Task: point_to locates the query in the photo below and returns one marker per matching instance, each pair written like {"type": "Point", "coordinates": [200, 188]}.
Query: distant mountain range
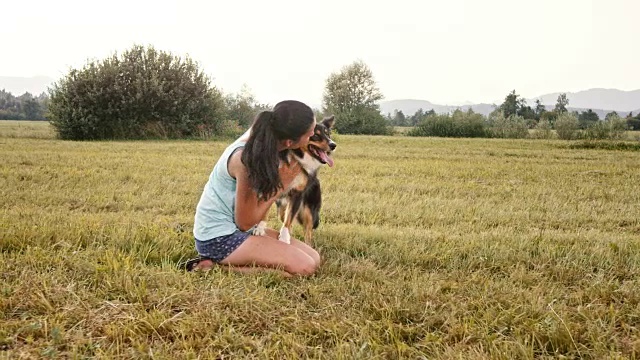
{"type": "Point", "coordinates": [598, 99]}
{"type": "Point", "coordinates": [601, 101]}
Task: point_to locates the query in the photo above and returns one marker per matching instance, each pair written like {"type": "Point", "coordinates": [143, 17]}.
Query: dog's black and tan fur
{"type": "Point", "coordinates": [303, 199]}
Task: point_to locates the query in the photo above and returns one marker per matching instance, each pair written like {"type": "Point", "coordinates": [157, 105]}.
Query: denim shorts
{"type": "Point", "coordinates": [217, 249]}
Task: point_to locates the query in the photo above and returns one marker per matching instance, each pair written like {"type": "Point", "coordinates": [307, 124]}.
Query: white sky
{"type": "Point", "coordinates": [445, 51]}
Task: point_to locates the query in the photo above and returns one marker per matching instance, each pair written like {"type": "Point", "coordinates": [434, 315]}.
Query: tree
{"type": "Point", "coordinates": [550, 117]}
{"type": "Point", "coordinates": [512, 104]}
{"type": "Point", "coordinates": [32, 109]}
{"type": "Point", "coordinates": [419, 116]}
{"type": "Point", "coordinates": [515, 105]}
{"type": "Point", "coordinates": [352, 95]}
{"type": "Point", "coordinates": [241, 108]}
{"type": "Point", "coordinates": [416, 117]}
{"type": "Point", "coordinates": [23, 107]}
{"type": "Point", "coordinates": [527, 113]}
{"type": "Point", "coordinates": [561, 104]}
{"type": "Point", "coordinates": [588, 118]}
{"type": "Point", "coordinates": [399, 119]}
{"type": "Point", "coordinates": [143, 93]}
{"type": "Point", "coordinates": [611, 115]}
{"type": "Point", "coordinates": [539, 109]}
{"type": "Point", "coordinates": [633, 123]}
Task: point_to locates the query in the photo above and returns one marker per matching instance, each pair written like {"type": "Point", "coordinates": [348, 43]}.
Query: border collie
{"type": "Point", "coordinates": [303, 198]}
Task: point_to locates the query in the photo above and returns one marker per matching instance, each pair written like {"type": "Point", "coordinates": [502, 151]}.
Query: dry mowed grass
{"type": "Point", "coordinates": [432, 248]}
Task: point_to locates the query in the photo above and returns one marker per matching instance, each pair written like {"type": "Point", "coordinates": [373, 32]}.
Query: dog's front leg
{"type": "Point", "coordinates": [260, 229]}
{"type": "Point", "coordinates": [292, 207]}
{"type": "Point", "coordinates": [285, 234]}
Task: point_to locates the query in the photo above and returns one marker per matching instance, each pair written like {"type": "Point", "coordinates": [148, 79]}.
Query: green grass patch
{"type": "Point", "coordinates": [26, 129]}
{"type": "Point", "coordinates": [606, 145]}
{"type": "Point", "coordinates": [432, 248]}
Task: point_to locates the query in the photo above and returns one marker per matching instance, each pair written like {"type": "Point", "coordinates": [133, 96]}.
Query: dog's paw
{"type": "Point", "coordinates": [284, 235]}
{"type": "Point", "coordinates": [259, 230]}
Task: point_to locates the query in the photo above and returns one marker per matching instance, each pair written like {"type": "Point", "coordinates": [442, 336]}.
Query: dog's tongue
{"type": "Point", "coordinates": [325, 158]}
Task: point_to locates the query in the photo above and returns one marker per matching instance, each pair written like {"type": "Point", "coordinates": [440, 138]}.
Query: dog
{"type": "Point", "coordinates": [303, 199]}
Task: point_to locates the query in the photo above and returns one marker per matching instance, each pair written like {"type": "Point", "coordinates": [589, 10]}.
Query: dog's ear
{"type": "Point", "coordinates": [329, 121]}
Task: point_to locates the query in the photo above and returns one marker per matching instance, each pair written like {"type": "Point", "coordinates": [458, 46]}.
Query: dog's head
{"type": "Point", "coordinates": [320, 144]}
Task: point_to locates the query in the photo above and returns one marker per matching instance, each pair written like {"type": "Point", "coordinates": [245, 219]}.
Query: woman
{"type": "Point", "coordinates": [244, 183]}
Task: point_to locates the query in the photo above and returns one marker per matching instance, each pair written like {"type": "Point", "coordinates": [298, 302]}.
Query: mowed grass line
{"type": "Point", "coordinates": [434, 248]}
{"type": "Point", "coordinates": [26, 129]}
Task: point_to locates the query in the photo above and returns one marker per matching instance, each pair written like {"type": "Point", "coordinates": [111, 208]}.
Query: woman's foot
{"type": "Point", "coordinates": [199, 264]}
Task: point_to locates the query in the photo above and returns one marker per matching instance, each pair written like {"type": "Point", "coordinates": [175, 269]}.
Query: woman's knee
{"type": "Point", "coordinates": [304, 265]}
{"type": "Point", "coordinates": [313, 253]}
{"type": "Point", "coordinates": [315, 256]}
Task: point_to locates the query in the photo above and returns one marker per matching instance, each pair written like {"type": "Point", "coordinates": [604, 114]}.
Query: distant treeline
{"type": "Point", "coordinates": [585, 118]}
{"type": "Point", "coordinates": [240, 107]}
{"type": "Point", "coordinates": [23, 107]}
{"type": "Point", "coordinates": [516, 106]}
{"type": "Point", "coordinates": [567, 126]}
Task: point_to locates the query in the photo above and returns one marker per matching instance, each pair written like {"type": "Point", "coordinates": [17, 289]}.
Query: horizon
{"type": "Point", "coordinates": [466, 52]}
{"type": "Point", "coordinates": [318, 105]}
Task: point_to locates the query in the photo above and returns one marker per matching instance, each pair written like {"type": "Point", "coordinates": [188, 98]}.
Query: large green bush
{"type": "Point", "coordinates": [508, 127]}
{"type": "Point", "coordinates": [362, 121]}
{"type": "Point", "coordinates": [459, 124]}
{"type": "Point", "coordinates": [597, 131]}
{"type": "Point", "coordinates": [567, 126]}
{"type": "Point", "coordinates": [542, 130]}
{"type": "Point", "coordinates": [143, 93]}
{"type": "Point", "coordinates": [614, 127]}
{"type": "Point", "coordinates": [618, 127]}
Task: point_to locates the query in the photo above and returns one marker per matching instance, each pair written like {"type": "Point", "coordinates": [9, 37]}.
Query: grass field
{"type": "Point", "coordinates": [433, 248]}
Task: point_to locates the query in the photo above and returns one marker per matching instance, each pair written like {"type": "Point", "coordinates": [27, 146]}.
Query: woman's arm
{"type": "Point", "coordinates": [249, 210]}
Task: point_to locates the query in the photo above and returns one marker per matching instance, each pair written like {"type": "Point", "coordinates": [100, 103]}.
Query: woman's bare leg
{"type": "Point", "coordinates": [206, 264]}
{"type": "Point", "coordinates": [268, 252]}
{"type": "Point", "coordinates": [298, 244]}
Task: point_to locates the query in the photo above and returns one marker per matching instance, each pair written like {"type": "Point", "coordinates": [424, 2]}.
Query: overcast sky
{"type": "Point", "coordinates": [443, 51]}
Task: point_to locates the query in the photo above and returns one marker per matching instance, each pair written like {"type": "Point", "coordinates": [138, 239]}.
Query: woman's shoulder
{"type": "Point", "coordinates": [235, 165]}
{"type": "Point", "coordinates": [234, 162]}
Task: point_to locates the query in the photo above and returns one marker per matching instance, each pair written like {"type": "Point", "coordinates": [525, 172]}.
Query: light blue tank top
{"type": "Point", "coordinates": [216, 208]}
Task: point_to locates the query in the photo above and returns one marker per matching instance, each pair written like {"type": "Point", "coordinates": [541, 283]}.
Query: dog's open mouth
{"type": "Point", "coordinates": [321, 155]}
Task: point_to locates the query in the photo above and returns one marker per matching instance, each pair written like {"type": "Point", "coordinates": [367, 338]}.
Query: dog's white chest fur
{"type": "Point", "coordinates": [309, 163]}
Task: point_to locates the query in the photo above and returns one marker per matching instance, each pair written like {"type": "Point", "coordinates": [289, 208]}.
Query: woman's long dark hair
{"type": "Point", "coordinates": [288, 120]}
